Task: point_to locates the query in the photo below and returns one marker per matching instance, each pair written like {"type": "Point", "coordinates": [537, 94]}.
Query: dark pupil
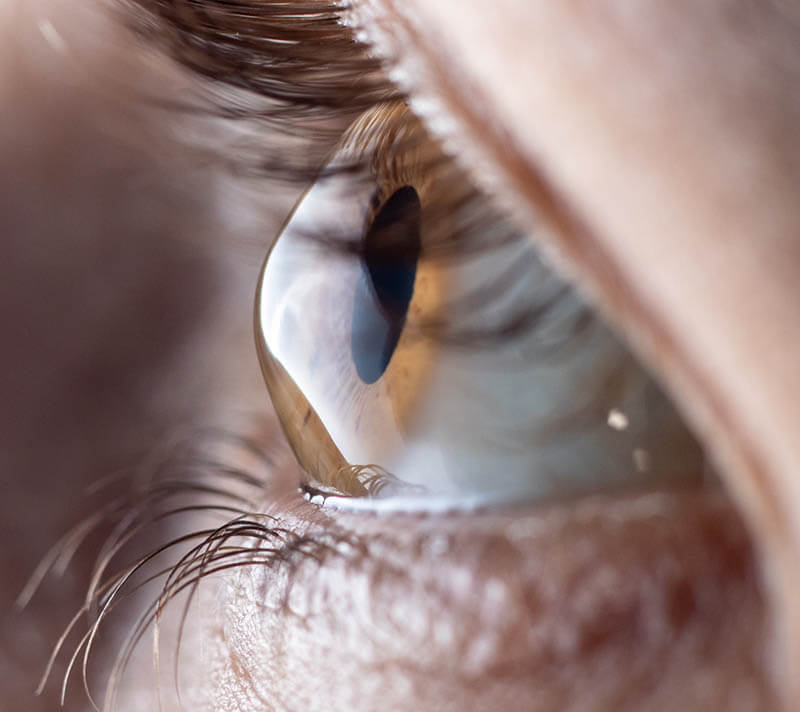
{"type": "Point", "coordinates": [389, 266]}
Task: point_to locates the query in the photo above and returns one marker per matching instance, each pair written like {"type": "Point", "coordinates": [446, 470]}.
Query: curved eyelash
{"type": "Point", "coordinates": [188, 483]}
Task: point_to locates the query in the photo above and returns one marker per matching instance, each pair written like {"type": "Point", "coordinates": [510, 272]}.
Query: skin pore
{"type": "Point", "coordinates": [657, 145]}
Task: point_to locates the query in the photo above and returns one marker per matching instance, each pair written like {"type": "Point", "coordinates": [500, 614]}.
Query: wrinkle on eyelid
{"type": "Point", "coordinates": [620, 603]}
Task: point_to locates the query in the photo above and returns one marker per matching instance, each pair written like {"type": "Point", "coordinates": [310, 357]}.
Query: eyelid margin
{"type": "Point", "coordinates": [448, 90]}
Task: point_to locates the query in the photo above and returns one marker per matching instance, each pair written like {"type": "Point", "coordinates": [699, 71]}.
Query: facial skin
{"type": "Point", "coordinates": [658, 145]}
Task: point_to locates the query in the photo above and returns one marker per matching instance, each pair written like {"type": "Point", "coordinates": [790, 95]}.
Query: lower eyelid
{"type": "Point", "coordinates": [621, 597]}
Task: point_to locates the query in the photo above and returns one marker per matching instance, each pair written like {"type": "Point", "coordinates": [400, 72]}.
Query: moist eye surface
{"type": "Point", "coordinates": [416, 345]}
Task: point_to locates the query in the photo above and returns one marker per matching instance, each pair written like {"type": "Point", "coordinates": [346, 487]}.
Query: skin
{"type": "Point", "coordinates": [644, 137]}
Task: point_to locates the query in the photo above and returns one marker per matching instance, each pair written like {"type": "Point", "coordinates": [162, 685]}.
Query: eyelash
{"type": "Point", "coordinates": [189, 483]}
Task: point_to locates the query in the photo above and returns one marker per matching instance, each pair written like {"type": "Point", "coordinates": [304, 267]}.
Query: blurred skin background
{"type": "Point", "coordinates": [122, 313]}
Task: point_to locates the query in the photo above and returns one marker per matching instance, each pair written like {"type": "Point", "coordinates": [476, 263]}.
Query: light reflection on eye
{"type": "Point", "coordinates": [375, 403]}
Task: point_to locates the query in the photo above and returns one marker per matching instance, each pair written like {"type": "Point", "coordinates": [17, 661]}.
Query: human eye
{"type": "Point", "coordinates": [416, 344]}
{"type": "Point", "coordinates": [614, 597]}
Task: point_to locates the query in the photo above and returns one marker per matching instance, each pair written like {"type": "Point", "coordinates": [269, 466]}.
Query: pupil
{"type": "Point", "coordinates": [391, 251]}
